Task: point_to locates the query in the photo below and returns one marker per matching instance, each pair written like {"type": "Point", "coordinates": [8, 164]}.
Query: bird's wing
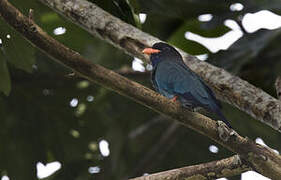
{"type": "Point", "coordinates": [211, 93]}
{"type": "Point", "coordinates": [158, 85]}
{"type": "Point", "coordinates": [176, 78]}
{"type": "Point", "coordinates": [154, 83]}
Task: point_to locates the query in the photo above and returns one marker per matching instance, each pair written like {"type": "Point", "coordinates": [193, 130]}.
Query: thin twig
{"type": "Point", "coordinates": [278, 87]}
{"type": "Point", "coordinates": [144, 127]}
{"type": "Point", "coordinates": [161, 144]}
{"type": "Point", "coordinates": [129, 72]}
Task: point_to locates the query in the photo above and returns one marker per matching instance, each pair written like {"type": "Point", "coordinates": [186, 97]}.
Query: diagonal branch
{"type": "Point", "coordinates": [216, 169]}
{"type": "Point", "coordinates": [229, 88]}
{"type": "Point", "coordinates": [259, 158]}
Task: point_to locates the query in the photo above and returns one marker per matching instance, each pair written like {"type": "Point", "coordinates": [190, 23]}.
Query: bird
{"type": "Point", "coordinates": [172, 78]}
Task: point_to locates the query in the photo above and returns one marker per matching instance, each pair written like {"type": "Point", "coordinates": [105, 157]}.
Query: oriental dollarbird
{"type": "Point", "coordinates": [173, 79]}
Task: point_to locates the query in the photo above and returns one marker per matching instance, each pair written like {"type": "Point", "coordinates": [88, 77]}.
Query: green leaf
{"type": "Point", "coordinates": [5, 81]}
{"type": "Point", "coordinates": [121, 9]}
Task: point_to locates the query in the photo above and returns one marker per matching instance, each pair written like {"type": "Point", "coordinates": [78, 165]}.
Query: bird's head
{"type": "Point", "coordinates": [162, 52]}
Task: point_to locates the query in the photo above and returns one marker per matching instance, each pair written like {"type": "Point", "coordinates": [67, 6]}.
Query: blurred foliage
{"type": "Point", "coordinates": [244, 50]}
{"type": "Point", "coordinates": [5, 85]}
{"type": "Point", "coordinates": [121, 9]}
{"type": "Point", "coordinates": [39, 123]}
{"type": "Point", "coordinates": [195, 26]}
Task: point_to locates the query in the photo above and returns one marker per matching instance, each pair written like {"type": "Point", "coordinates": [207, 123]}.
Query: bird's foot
{"type": "Point", "coordinates": [190, 107]}
{"type": "Point", "coordinates": [224, 131]}
{"type": "Point", "coordinates": [196, 109]}
{"type": "Point", "coordinates": [174, 99]}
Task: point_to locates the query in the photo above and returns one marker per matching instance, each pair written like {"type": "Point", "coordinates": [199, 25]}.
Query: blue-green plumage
{"type": "Point", "coordinates": [171, 77]}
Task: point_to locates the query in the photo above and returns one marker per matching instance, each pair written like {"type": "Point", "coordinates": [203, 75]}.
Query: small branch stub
{"type": "Point", "coordinates": [278, 87]}
{"type": "Point", "coordinates": [30, 14]}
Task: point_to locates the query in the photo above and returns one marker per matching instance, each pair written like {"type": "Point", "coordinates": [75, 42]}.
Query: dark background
{"type": "Point", "coordinates": [38, 124]}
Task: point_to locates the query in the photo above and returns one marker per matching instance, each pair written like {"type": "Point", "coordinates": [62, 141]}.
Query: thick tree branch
{"type": "Point", "coordinates": [216, 169]}
{"type": "Point", "coordinates": [229, 88]}
{"type": "Point", "coordinates": [259, 158]}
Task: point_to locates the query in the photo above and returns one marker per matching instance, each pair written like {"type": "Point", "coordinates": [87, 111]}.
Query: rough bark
{"type": "Point", "coordinates": [228, 88]}
{"type": "Point", "coordinates": [259, 158]}
{"type": "Point", "coordinates": [216, 169]}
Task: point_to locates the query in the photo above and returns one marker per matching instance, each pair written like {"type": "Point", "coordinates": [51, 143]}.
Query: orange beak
{"type": "Point", "coordinates": [150, 51]}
